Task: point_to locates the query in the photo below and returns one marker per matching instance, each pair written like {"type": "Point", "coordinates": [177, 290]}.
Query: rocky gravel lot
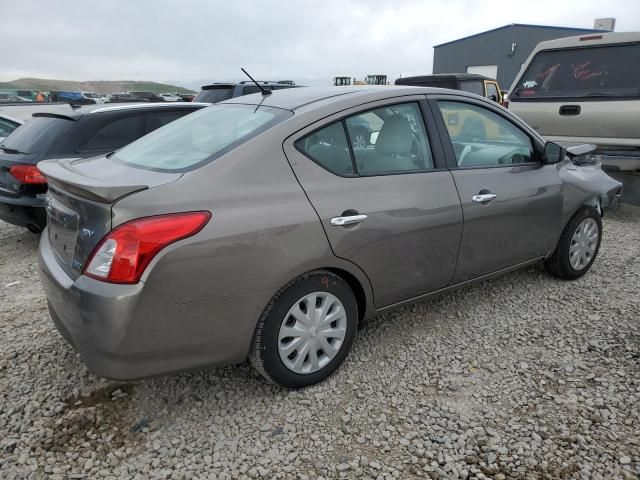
{"type": "Point", "coordinates": [519, 377]}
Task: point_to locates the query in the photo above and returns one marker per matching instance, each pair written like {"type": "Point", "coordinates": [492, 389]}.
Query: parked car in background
{"type": "Point", "coordinates": [7, 125]}
{"type": "Point", "coordinates": [95, 97]}
{"type": "Point", "coordinates": [187, 97]}
{"type": "Point", "coordinates": [10, 98]}
{"type": "Point", "coordinates": [75, 98]}
{"type": "Point", "coordinates": [170, 97]}
{"type": "Point", "coordinates": [255, 229]}
{"type": "Point", "coordinates": [585, 89]}
{"type": "Point", "coordinates": [217, 92]}
{"type": "Point", "coordinates": [148, 96]}
{"type": "Point", "coordinates": [68, 133]}
{"type": "Point", "coordinates": [124, 98]}
{"type": "Point", "coordinates": [467, 82]}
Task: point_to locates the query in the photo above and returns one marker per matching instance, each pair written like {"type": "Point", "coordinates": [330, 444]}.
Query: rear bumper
{"type": "Point", "coordinates": [23, 211]}
{"type": "Point", "coordinates": [127, 332]}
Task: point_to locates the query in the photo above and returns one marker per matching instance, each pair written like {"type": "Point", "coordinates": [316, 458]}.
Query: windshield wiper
{"type": "Point", "coordinates": [13, 151]}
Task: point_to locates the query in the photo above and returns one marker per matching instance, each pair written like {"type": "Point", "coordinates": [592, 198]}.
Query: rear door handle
{"type": "Point", "coordinates": [348, 220]}
{"type": "Point", "coordinates": [483, 198]}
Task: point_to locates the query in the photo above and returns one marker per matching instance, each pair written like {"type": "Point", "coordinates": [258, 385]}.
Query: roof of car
{"type": "Point", "coordinates": [10, 118]}
{"type": "Point", "coordinates": [441, 76]}
{"type": "Point", "coordinates": [75, 113]}
{"type": "Point", "coordinates": [245, 82]}
{"type": "Point", "coordinates": [297, 98]}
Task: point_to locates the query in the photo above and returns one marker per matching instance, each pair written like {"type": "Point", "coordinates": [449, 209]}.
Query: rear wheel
{"type": "Point", "coordinates": [578, 245]}
{"type": "Point", "coordinates": [306, 331]}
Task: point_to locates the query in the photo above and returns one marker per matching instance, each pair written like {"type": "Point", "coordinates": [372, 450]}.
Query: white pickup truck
{"type": "Point", "coordinates": [585, 89]}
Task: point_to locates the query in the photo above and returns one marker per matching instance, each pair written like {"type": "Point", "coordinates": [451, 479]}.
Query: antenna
{"type": "Point", "coordinates": [265, 92]}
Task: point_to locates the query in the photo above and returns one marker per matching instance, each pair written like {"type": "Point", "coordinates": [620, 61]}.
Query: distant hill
{"type": "Point", "coordinates": [99, 86]}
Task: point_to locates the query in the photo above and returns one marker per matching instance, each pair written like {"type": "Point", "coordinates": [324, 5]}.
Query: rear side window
{"type": "Point", "coordinates": [115, 134]}
{"type": "Point", "coordinates": [7, 126]}
{"type": "Point", "coordinates": [612, 70]}
{"type": "Point", "coordinates": [214, 95]}
{"type": "Point", "coordinates": [472, 86]}
{"type": "Point", "coordinates": [200, 138]}
{"type": "Point", "coordinates": [328, 148]}
{"type": "Point", "coordinates": [390, 139]}
{"type": "Point", "coordinates": [39, 135]}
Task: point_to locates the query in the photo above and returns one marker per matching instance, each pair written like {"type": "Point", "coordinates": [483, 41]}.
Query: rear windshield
{"type": "Point", "coordinates": [214, 95]}
{"type": "Point", "coordinates": [610, 70]}
{"type": "Point", "coordinates": [38, 135]}
{"type": "Point", "coordinates": [200, 137]}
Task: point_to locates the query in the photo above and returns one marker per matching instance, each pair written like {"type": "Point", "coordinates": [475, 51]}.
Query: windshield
{"type": "Point", "coordinates": [38, 135]}
{"type": "Point", "coordinates": [200, 137]}
{"type": "Point", "coordinates": [214, 95]}
{"type": "Point", "coordinates": [610, 70]}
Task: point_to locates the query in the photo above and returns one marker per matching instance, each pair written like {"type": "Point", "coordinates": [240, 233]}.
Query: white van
{"type": "Point", "coordinates": [585, 89]}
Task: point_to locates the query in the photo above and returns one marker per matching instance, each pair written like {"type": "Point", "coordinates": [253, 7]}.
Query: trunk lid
{"type": "Point", "coordinates": [81, 195]}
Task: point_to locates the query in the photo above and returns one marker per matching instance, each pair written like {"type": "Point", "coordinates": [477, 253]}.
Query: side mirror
{"type": "Point", "coordinates": [373, 138]}
{"type": "Point", "coordinates": [553, 153]}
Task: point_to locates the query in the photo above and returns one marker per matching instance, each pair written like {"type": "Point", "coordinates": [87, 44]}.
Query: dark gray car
{"type": "Point", "coordinates": [254, 227]}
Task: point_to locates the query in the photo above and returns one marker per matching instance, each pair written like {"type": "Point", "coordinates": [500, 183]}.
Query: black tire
{"type": "Point", "coordinates": [558, 265]}
{"type": "Point", "coordinates": [264, 354]}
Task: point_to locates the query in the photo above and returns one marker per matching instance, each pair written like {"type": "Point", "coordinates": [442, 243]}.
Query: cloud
{"type": "Point", "coordinates": [310, 41]}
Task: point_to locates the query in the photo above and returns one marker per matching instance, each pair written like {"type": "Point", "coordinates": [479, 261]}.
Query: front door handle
{"type": "Point", "coordinates": [348, 220]}
{"type": "Point", "coordinates": [483, 198]}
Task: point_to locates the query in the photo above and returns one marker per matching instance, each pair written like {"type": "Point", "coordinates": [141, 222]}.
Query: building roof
{"type": "Point", "coordinates": [520, 25]}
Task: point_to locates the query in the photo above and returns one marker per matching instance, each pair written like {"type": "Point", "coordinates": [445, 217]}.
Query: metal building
{"type": "Point", "coordinates": [496, 53]}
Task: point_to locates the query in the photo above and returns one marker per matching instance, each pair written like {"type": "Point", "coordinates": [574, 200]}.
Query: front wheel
{"type": "Point", "coordinates": [578, 245]}
{"type": "Point", "coordinates": [306, 331]}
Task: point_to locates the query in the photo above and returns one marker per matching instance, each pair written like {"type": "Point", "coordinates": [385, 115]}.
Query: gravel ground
{"type": "Point", "coordinates": [519, 377]}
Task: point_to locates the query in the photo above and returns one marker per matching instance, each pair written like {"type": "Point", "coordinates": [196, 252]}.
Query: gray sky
{"type": "Point", "coordinates": [193, 41]}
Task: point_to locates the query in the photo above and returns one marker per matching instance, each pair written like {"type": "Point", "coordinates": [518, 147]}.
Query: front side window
{"type": "Point", "coordinates": [395, 140]}
{"type": "Point", "coordinates": [200, 137]}
{"type": "Point", "coordinates": [114, 135]}
{"type": "Point", "coordinates": [492, 90]}
{"type": "Point", "coordinates": [390, 139]}
{"type": "Point", "coordinates": [482, 138]}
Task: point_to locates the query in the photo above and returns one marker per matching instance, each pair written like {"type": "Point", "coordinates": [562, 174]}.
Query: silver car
{"type": "Point", "coordinates": [255, 228]}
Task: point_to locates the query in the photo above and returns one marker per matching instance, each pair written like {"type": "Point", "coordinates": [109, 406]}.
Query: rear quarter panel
{"type": "Point", "coordinates": [262, 234]}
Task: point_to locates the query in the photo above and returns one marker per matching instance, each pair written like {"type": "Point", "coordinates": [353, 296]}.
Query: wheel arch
{"type": "Point", "coordinates": [356, 287]}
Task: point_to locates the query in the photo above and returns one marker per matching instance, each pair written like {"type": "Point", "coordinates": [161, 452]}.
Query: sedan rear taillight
{"type": "Point", "coordinates": [28, 174]}
{"type": "Point", "coordinates": [124, 253]}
